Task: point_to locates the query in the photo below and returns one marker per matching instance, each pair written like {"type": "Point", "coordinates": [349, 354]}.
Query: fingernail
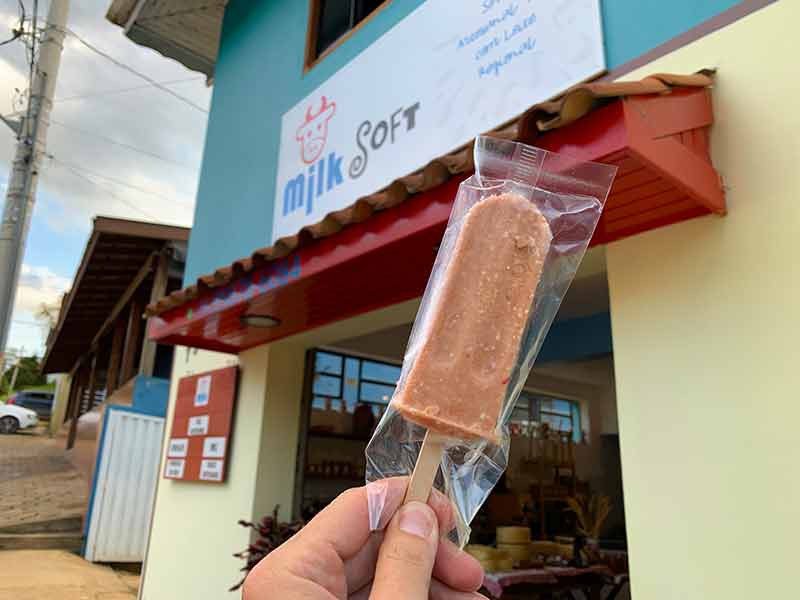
{"type": "Point", "coordinates": [417, 519]}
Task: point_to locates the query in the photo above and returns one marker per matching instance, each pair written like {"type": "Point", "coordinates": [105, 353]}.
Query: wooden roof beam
{"type": "Point", "coordinates": [143, 273]}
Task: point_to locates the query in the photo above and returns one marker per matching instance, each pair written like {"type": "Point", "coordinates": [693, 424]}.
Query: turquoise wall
{"type": "Point", "coordinates": [259, 76]}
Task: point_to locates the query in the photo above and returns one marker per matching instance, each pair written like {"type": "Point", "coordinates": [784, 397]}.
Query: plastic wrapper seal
{"type": "Point", "coordinates": [479, 328]}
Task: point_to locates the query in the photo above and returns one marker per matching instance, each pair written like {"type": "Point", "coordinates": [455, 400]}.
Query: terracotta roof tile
{"type": "Point", "coordinates": [545, 116]}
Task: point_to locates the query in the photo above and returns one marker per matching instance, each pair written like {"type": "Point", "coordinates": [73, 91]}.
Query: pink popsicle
{"type": "Point", "coordinates": [458, 382]}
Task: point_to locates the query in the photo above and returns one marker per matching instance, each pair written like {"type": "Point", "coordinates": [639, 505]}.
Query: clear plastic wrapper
{"type": "Point", "coordinates": [569, 194]}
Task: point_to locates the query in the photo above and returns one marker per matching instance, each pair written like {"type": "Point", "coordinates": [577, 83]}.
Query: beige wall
{"type": "Point", "coordinates": [706, 325]}
{"type": "Point", "coordinates": [280, 423]}
{"type": "Point", "coordinates": [194, 530]}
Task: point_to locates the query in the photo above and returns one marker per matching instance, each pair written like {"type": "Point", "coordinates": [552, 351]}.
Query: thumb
{"type": "Point", "coordinates": [407, 554]}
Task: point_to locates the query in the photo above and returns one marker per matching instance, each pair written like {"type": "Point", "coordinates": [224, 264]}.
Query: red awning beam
{"type": "Point", "coordinates": [659, 142]}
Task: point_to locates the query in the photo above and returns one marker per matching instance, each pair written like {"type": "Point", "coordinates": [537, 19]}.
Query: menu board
{"type": "Point", "coordinates": [198, 445]}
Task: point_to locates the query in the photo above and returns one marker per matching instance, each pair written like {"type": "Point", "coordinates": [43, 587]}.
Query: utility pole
{"type": "Point", "coordinates": [31, 140]}
{"type": "Point", "coordinates": [16, 370]}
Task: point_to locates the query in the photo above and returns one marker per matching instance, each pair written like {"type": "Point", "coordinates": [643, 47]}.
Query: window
{"type": "Point", "coordinates": [345, 381]}
{"type": "Point", "coordinates": [331, 21]}
{"type": "Point", "coordinates": [559, 414]}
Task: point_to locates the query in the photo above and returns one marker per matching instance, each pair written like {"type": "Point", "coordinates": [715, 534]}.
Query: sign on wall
{"type": "Point", "coordinates": [197, 449]}
{"type": "Point", "coordinates": [434, 81]}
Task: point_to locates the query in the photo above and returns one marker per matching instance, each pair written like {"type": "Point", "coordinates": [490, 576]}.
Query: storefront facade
{"type": "Point", "coordinates": [702, 311]}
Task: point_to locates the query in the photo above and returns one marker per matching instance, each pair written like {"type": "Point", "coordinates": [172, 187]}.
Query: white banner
{"type": "Point", "coordinates": [447, 72]}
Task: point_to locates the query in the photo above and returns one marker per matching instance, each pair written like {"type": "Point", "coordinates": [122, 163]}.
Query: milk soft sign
{"type": "Point", "coordinates": [447, 72]}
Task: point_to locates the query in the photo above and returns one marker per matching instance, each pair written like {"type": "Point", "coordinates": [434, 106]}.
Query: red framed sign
{"type": "Point", "coordinates": [199, 443]}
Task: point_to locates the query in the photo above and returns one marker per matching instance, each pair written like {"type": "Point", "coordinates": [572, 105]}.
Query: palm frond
{"type": "Point", "coordinates": [590, 513]}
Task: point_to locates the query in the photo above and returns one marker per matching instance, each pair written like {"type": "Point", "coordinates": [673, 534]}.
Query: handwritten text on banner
{"type": "Point", "coordinates": [431, 83]}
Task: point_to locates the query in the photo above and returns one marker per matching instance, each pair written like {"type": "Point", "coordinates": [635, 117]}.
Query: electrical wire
{"type": "Point", "coordinates": [123, 145]}
{"type": "Point", "coordinates": [130, 69]}
{"type": "Point", "coordinates": [16, 33]}
{"type": "Point", "coordinates": [125, 184]}
{"type": "Point", "coordinates": [34, 39]}
{"type": "Point", "coordinates": [125, 90]}
{"type": "Point", "coordinates": [30, 323]}
{"type": "Point", "coordinates": [130, 205]}
{"type": "Point", "coordinates": [119, 182]}
{"type": "Point", "coordinates": [31, 63]}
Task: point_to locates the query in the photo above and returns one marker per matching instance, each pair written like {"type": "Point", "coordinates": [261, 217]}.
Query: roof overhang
{"type": "Point", "coordinates": [185, 30]}
{"type": "Point", "coordinates": [660, 142]}
{"type": "Point", "coordinates": [114, 255]}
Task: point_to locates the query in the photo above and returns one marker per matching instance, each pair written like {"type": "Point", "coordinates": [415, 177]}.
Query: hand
{"type": "Point", "coordinates": [336, 557]}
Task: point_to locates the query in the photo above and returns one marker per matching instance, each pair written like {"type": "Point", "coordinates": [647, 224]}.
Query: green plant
{"type": "Point", "coordinates": [28, 374]}
{"type": "Point", "coordinates": [590, 513]}
{"type": "Point", "coordinates": [270, 533]}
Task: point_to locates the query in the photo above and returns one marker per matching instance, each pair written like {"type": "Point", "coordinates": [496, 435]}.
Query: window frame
{"type": "Point", "coordinates": [304, 430]}
{"type": "Point", "coordinates": [535, 410]}
{"type": "Point", "coordinates": [310, 60]}
{"type": "Point", "coordinates": [344, 356]}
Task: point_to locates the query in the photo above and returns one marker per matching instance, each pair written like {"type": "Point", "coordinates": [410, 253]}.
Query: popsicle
{"type": "Point", "coordinates": [458, 381]}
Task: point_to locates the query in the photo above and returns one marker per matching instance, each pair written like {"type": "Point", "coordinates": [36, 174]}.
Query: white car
{"type": "Point", "coordinates": [15, 417]}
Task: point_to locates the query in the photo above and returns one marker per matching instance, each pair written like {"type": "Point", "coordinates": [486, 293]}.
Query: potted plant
{"type": "Point", "coordinates": [590, 514]}
{"type": "Point", "coordinates": [270, 533]}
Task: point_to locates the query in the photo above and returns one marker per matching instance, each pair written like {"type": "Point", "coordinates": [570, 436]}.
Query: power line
{"type": "Point", "coordinates": [125, 90]}
{"type": "Point", "coordinates": [119, 182]}
{"type": "Point", "coordinates": [30, 323]}
{"type": "Point", "coordinates": [122, 145]}
{"type": "Point", "coordinates": [130, 69]}
{"type": "Point", "coordinates": [34, 39]}
{"type": "Point", "coordinates": [16, 33]}
{"type": "Point", "coordinates": [108, 191]}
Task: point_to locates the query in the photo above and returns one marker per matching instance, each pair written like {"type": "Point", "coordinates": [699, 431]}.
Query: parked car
{"type": "Point", "coordinates": [39, 402]}
{"type": "Point", "coordinates": [14, 417]}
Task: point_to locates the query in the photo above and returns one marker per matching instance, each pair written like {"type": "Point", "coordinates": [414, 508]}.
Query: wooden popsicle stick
{"type": "Point", "coordinates": [430, 456]}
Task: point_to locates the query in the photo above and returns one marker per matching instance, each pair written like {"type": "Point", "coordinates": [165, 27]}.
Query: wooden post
{"type": "Point", "coordinates": [92, 385]}
{"type": "Point", "coordinates": [74, 384]}
{"type": "Point", "coordinates": [148, 361]}
{"type": "Point", "coordinates": [131, 340]}
{"type": "Point", "coordinates": [114, 361]}
{"type": "Point", "coordinates": [74, 408]}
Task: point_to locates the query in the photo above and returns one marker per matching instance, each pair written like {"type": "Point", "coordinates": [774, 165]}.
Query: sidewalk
{"type": "Point", "coordinates": [58, 575]}
{"type": "Point", "coordinates": [40, 490]}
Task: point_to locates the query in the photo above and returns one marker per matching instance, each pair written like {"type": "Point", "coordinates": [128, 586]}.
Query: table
{"type": "Point", "coordinates": [588, 583]}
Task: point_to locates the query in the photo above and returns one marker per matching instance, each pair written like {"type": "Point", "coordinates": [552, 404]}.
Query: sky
{"type": "Point", "coordinates": [94, 112]}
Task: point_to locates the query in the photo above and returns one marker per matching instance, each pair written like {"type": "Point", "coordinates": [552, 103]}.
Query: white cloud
{"type": "Point", "coordinates": [39, 285]}
{"type": "Point", "coordinates": [147, 118]}
{"type": "Point", "coordinates": [27, 335]}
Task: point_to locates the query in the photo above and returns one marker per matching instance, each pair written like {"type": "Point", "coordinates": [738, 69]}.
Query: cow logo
{"type": "Point", "coordinates": [313, 133]}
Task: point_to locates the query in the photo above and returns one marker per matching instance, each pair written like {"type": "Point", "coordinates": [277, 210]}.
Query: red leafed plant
{"type": "Point", "coordinates": [271, 533]}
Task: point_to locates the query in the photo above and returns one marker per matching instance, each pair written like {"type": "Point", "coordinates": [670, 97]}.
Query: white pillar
{"type": "Point", "coordinates": [283, 400]}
